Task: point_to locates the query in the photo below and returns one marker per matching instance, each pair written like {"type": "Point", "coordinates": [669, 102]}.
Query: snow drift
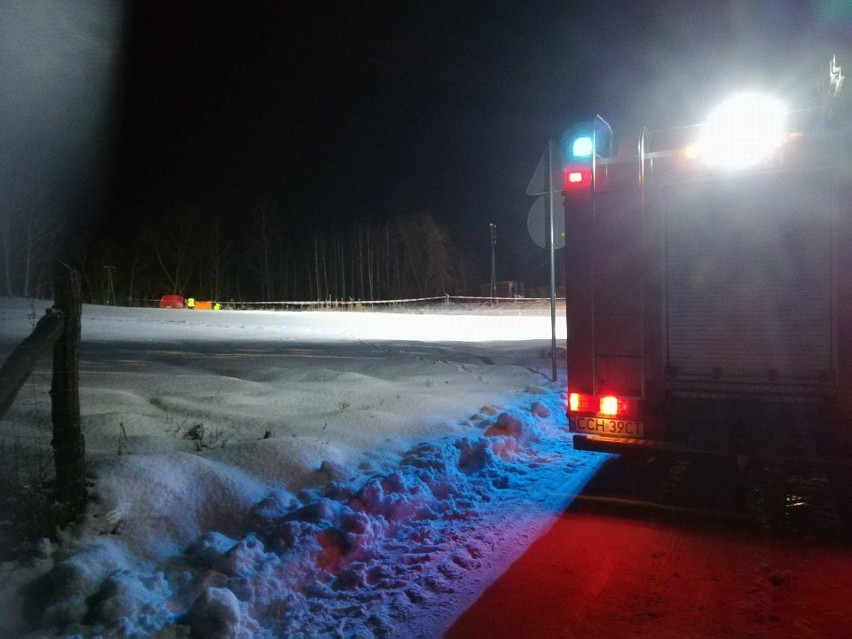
{"type": "Point", "coordinates": [344, 487]}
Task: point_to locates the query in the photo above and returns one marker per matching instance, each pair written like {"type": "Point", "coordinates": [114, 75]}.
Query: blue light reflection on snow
{"type": "Point", "coordinates": [399, 551]}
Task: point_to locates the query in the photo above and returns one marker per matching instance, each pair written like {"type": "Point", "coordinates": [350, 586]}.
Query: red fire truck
{"type": "Point", "coordinates": [709, 280]}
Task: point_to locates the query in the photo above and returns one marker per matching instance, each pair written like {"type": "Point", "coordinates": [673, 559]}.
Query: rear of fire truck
{"type": "Point", "coordinates": [709, 280]}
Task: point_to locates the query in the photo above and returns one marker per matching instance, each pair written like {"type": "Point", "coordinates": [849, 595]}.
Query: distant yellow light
{"type": "Point", "coordinates": [692, 151]}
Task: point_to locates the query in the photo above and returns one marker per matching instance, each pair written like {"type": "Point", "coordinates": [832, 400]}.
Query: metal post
{"type": "Point", "coordinates": [551, 241]}
{"type": "Point", "coordinates": [493, 230]}
{"type": "Point", "coordinates": [110, 286]}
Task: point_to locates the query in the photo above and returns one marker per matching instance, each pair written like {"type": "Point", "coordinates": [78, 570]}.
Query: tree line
{"type": "Point", "coordinates": [259, 259]}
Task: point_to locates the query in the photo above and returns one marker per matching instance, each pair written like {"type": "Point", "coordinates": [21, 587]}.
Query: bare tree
{"type": "Point", "coordinates": [370, 253]}
{"type": "Point", "coordinates": [175, 245]}
{"type": "Point", "coordinates": [428, 254]}
{"type": "Point", "coordinates": [6, 248]}
{"type": "Point", "coordinates": [263, 241]}
{"type": "Point", "coordinates": [137, 264]}
{"type": "Point", "coordinates": [28, 242]}
{"type": "Point", "coordinates": [214, 263]}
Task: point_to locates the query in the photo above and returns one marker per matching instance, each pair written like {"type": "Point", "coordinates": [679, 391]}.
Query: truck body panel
{"type": "Point", "coordinates": [692, 290]}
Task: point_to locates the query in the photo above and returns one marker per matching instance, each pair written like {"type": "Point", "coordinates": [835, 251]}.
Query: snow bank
{"type": "Point", "coordinates": [360, 556]}
{"type": "Point", "coordinates": [364, 501]}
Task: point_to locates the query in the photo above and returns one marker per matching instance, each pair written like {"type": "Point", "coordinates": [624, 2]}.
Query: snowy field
{"type": "Point", "coordinates": [296, 474]}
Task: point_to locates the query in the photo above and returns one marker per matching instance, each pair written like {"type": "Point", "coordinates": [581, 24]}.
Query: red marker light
{"type": "Point", "coordinates": [578, 178]}
{"type": "Point", "coordinates": [577, 402]}
{"type": "Point", "coordinates": [573, 402]}
{"type": "Point", "coordinates": [613, 406]}
{"type": "Point", "coordinates": [609, 405]}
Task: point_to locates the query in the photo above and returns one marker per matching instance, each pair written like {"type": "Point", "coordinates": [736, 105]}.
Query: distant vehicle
{"type": "Point", "coordinates": [172, 301]}
{"type": "Point", "coordinates": [709, 280]}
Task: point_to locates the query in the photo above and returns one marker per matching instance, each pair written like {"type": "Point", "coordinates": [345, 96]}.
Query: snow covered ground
{"type": "Point", "coordinates": [287, 474]}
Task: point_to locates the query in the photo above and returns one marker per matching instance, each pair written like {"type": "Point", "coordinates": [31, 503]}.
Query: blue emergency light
{"type": "Point", "coordinates": [583, 147]}
{"type": "Point", "coordinates": [585, 141]}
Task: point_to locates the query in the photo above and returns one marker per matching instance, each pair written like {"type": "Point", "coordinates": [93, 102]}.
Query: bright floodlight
{"type": "Point", "coordinates": [582, 147]}
{"type": "Point", "coordinates": [742, 131]}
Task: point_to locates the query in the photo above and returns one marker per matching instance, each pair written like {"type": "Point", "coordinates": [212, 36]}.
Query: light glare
{"type": "Point", "coordinates": [582, 147]}
{"type": "Point", "coordinates": [692, 151]}
{"type": "Point", "coordinates": [742, 131]}
{"type": "Point", "coordinates": [609, 405]}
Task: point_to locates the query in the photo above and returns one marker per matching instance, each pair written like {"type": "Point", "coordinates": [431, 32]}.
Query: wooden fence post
{"type": "Point", "coordinates": [18, 367]}
{"type": "Point", "coordinates": [69, 447]}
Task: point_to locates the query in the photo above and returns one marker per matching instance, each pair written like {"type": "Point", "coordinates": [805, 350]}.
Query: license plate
{"type": "Point", "coordinates": [609, 427]}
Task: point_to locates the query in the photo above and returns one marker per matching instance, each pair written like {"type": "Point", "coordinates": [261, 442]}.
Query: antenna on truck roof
{"type": "Point", "coordinates": [835, 77]}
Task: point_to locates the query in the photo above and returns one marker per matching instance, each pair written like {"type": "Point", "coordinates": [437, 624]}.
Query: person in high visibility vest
{"type": "Point", "coordinates": [217, 306]}
{"type": "Point", "coordinates": [190, 302]}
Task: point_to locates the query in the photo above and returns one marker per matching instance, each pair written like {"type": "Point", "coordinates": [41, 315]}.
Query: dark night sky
{"type": "Point", "coordinates": [364, 110]}
{"type": "Point", "coordinates": [343, 110]}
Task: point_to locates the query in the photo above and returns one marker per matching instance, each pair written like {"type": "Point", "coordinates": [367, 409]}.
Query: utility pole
{"type": "Point", "coordinates": [493, 229]}
{"type": "Point", "coordinates": [110, 285]}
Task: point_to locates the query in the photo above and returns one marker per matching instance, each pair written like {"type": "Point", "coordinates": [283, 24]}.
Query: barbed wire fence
{"type": "Point", "coordinates": [26, 457]}
{"type": "Point", "coordinates": [44, 423]}
{"type": "Point", "coordinates": [332, 304]}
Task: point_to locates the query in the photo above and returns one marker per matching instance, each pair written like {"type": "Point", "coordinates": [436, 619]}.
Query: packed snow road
{"type": "Point", "coordinates": [268, 474]}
